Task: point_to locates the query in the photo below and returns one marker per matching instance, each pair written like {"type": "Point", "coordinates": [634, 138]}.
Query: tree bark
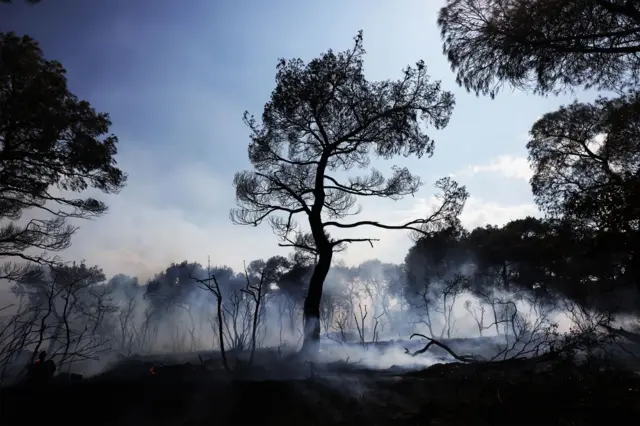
{"type": "Point", "coordinates": [505, 278]}
{"type": "Point", "coordinates": [312, 302]}
{"type": "Point", "coordinates": [324, 252]}
{"type": "Point", "coordinates": [223, 351]}
{"type": "Point", "coordinates": [256, 316]}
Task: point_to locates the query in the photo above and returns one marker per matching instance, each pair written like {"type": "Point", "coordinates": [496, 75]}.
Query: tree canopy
{"type": "Point", "coordinates": [544, 45]}
{"type": "Point", "coordinates": [586, 160]}
{"type": "Point", "coordinates": [584, 155]}
{"type": "Point", "coordinates": [51, 145]}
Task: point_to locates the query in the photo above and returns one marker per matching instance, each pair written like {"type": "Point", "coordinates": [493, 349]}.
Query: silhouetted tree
{"type": "Point", "coordinates": [585, 156]}
{"type": "Point", "coordinates": [521, 253]}
{"type": "Point", "coordinates": [436, 256]}
{"type": "Point", "coordinates": [73, 305]}
{"type": "Point", "coordinates": [174, 285]}
{"type": "Point", "coordinates": [325, 118]}
{"type": "Point", "coordinates": [545, 45]}
{"type": "Point", "coordinates": [381, 283]}
{"type": "Point", "coordinates": [586, 160]}
{"type": "Point", "coordinates": [51, 145]}
{"type": "Point", "coordinates": [270, 271]}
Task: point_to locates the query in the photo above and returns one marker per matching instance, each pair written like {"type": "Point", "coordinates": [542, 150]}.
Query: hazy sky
{"type": "Point", "coordinates": [176, 77]}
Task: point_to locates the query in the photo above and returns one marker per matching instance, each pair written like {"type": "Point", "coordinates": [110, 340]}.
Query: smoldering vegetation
{"type": "Point", "coordinates": [532, 322]}
{"type": "Point", "coordinates": [375, 316]}
{"type": "Point", "coordinates": [486, 327]}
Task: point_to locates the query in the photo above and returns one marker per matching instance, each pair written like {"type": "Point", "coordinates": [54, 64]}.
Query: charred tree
{"type": "Point", "coordinates": [323, 120]}
{"type": "Point", "coordinates": [211, 284]}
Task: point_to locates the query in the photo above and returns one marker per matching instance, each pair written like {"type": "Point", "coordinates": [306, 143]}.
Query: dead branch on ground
{"type": "Point", "coordinates": [463, 358]}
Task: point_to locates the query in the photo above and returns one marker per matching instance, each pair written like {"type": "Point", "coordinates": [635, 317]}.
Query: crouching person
{"type": "Point", "coordinates": [41, 372]}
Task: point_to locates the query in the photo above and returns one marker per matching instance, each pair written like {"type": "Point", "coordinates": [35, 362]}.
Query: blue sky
{"type": "Point", "coordinates": [176, 78]}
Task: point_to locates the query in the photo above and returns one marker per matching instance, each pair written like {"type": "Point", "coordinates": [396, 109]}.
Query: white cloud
{"type": "Point", "coordinates": [480, 212]}
{"type": "Point", "coordinates": [477, 211]}
{"type": "Point", "coordinates": [598, 141]}
{"type": "Point", "coordinates": [512, 167]}
{"type": "Point", "coordinates": [394, 244]}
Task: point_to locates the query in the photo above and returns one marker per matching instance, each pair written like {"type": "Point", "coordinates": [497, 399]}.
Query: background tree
{"type": "Point", "coordinates": [586, 160]}
{"type": "Point", "coordinates": [585, 156]}
{"type": "Point", "coordinates": [324, 119]}
{"type": "Point", "coordinates": [72, 306]}
{"type": "Point", "coordinates": [51, 145]}
{"type": "Point", "coordinates": [270, 271]}
{"type": "Point", "coordinates": [544, 45]}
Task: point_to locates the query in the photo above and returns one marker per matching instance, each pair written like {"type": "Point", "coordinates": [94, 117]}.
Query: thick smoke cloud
{"type": "Point", "coordinates": [445, 290]}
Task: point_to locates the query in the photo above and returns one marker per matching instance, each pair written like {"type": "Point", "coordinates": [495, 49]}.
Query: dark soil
{"type": "Point", "coordinates": [447, 394]}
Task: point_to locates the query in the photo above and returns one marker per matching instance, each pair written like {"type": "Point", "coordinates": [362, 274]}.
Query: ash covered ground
{"type": "Point", "coordinates": [280, 388]}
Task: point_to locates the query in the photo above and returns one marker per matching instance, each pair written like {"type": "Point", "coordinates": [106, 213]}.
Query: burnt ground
{"type": "Point", "coordinates": [524, 392]}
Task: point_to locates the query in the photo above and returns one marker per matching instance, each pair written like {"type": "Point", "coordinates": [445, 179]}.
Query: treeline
{"type": "Point", "coordinates": [511, 281]}
{"type": "Point", "coordinates": [549, 257]}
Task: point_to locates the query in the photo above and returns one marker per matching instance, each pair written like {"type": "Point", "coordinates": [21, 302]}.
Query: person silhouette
{"type": "Point", "coordinates": [42, 370]}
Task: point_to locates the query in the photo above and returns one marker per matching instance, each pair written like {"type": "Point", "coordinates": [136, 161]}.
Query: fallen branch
{"type": "Point", "coordinates": [632, 337]}
{"type": "Point", "coordinates": [443, 346]}
{"type": "Point", "coordinates": [552, 355]}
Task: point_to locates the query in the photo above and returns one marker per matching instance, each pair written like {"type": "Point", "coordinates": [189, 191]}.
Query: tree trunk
{"type": "Point", "coordinates": [324, 253]}
{"type": "Point", "coordinates": [223, 351]}
{"type": "Point", "coordinates": [256, 316]}
{"type": "Point", "coordinates": [312, 302]}
{"type": "Point", "coordinates": [505, 277]}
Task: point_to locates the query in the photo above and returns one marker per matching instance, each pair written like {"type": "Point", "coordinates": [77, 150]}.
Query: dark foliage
{"type": "Point", "coordinates": [585, 155]}
{"type": "Point", "coordinates": [586, 160]}
{"type": "Point", "coordinates": [587, 171]}
{"type": "Point", "coordinates": [547, 257]}
{"type": "Point", "coordinates": [544, 45]}
{"type": "Point", "coordinates": [51, 145]}
{"type": "Point", "coordinates": [324, 120]}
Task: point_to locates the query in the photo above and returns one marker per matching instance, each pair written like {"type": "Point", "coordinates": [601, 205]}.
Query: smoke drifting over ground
{"type": "Point", "coordinates": [88, 323]}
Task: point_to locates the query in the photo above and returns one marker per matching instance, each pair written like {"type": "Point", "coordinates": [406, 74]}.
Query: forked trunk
{"type": "Point", "coordinates": [312, 303]}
